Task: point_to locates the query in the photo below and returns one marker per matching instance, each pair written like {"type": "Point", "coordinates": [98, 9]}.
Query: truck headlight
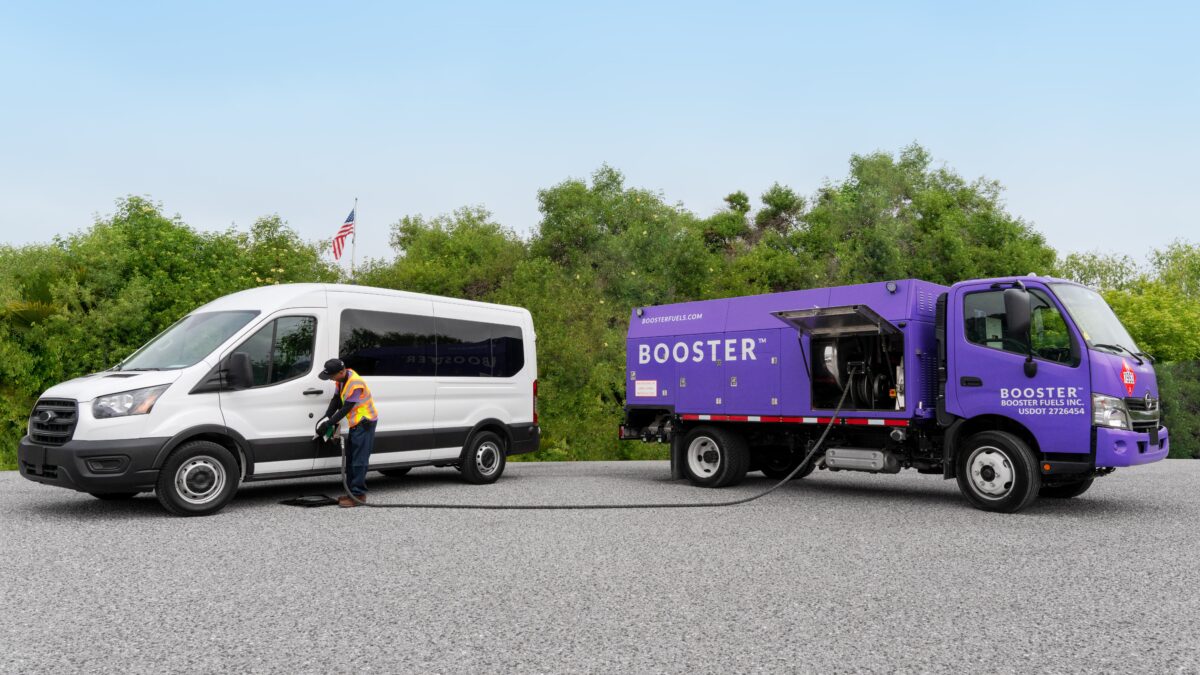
{"type": "Point", "coordinates": [136, 402]}
{"type": "Point", "coordinates": [1109, 411]}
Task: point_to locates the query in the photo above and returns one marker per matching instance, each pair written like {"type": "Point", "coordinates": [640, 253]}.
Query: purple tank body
{"type": "Point", "coordinates": [734, 357]}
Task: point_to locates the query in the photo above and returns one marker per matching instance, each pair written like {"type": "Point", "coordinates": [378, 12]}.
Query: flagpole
{"type": "Point", "coordinates": [354, 239]}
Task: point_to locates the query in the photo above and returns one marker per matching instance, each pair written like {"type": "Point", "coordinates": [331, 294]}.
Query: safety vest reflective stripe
{"type": "Point", "coordinates": [365, 409]}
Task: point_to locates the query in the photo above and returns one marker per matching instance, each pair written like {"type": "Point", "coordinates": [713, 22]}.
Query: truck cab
{"type": "Point", "coordinates": [1047, 361]}
{"type": "Point", "coordinates": [1016, 387]}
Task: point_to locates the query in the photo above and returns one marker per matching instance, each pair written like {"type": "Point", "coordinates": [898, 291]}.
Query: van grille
{"type": "Point", "coordinates": [52, 421]}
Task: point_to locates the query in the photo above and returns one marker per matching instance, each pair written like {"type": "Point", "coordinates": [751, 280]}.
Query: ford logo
{"type": "Point", "coordinates": [45, 417]}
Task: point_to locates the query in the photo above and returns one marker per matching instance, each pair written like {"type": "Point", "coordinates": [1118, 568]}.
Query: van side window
{"type": "Point", "coordinates": [464, 348]}
{"type": "Point", "coordinates": [478, 349]}
{"type": "Point", "coordinates": [383, 343]}
{"type": "Point", "coordinates": [987, 325]}
{"type": "Point", "coordinates": [282, 350]}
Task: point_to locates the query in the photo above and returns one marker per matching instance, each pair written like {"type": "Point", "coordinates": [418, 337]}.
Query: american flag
{"type": "Point", "coordinates": [339, 239]}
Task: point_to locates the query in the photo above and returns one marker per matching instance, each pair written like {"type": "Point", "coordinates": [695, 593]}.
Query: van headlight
{"type": "Point", "coordinates": [1109, 411]}
{"type": "Point", "coordinates": [136, 402]}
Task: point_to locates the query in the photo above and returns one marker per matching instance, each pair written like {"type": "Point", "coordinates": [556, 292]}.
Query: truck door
{"type": "Point", "coordinates": [988, 374]}
{"type": "Point", "coordinates": [277, 413]}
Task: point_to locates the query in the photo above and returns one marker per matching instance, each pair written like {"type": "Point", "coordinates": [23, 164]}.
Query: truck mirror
{"type": "Point", "coordinates": [1017, 313]}
{"type": "Point", "coordinates": [241, 376]}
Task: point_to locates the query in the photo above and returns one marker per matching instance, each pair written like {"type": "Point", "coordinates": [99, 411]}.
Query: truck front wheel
{"type": "Point", "coordinates": [715, 457]}
{"type": "Point", "coordinates": [997, 471]}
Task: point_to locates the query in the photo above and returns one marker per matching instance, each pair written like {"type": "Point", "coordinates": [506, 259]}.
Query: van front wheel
{"type": "Point", "coordinates": [483, 459]}
{"type": "Point", "coordinates": [198, 479]}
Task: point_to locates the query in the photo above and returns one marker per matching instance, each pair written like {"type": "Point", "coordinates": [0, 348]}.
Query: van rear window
{"type": "Point", "coordinates": [407, 345]}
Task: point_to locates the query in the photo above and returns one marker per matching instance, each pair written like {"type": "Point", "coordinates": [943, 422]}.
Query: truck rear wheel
{"type": "Point", "coordinates": [198, 479]}
{"type": "Point", "coordinates": [715, 457]}
{"type": "Point", "coordinates": [1066, 490]}
{"type": "Point", "coordinates": [997, 471]}
{"type": "Point", "coordinates": [779, 464]}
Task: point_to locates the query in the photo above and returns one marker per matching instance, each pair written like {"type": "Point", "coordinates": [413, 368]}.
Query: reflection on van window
{"type": "Point", "coordinates": [381, 343]}
{"type": "Point", "coordinates": [406, 345]}
{"type": "Point", "coordinates": [282, 350]}
{"type": "Point", "coordinates": [188, 341]}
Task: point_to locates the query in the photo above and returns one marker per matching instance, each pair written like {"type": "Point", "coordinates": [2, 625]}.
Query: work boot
{"type": "Point", "coordinates": [347, 502]}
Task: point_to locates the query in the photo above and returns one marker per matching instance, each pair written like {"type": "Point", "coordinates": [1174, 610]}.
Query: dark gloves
{"type": "Point", "coordinates": [323, 426]}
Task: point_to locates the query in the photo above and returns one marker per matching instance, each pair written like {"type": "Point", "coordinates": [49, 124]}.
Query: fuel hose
{"type": "Point", "coordinates": [596, 507]}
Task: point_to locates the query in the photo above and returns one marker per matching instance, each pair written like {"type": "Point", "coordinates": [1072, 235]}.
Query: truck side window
{"type": "Point", "coordinates": [282, 350]}
{"type": "Point", "coordinates": [987, 325]}
{"type": "Point", "coordinates": [1048, 331]}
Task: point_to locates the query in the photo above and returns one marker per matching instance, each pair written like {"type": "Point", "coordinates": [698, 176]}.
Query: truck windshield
{"type": "Point", "coordinates": [191, 339]}
{"type": "Point", "coordinates": [1094, 317]}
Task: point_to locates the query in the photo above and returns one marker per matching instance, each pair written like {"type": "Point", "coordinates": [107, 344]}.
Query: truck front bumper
{"type": "Point", "coordinates": [1117, 447]}
{"type": "Point", "coordinates": [92, 466]}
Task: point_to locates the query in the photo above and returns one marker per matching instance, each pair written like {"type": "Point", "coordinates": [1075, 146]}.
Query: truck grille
{"type": "Point", "coordinates": [1143, 413]}
{"type": "Point", "coordinates": [52, 421]}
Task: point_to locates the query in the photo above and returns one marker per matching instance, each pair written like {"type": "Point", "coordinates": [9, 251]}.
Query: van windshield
{"type": "Point", "coordinates": [184, 344]}
{"type": "Point", "coordinates": [1096, 320]}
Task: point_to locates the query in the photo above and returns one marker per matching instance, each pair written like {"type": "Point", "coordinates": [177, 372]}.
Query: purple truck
{"type": "Point", "coordinates": [1017, 387]}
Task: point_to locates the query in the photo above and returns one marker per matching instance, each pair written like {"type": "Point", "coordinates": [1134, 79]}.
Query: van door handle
{"type": "Point", "coordinates": [968, 381]}
{"type": "Point", "coordinates": [313, 392]}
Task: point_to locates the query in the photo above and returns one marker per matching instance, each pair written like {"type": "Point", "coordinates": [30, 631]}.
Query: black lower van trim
{"type": "Point", "coordinates": [125, 465]}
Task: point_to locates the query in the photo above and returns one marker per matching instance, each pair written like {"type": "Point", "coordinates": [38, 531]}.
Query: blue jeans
{"type": "Point", "coordinates": [362, 441]}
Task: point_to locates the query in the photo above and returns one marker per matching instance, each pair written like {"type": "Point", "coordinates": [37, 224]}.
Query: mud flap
{"type": "Point", "coordinates": [677, 456]}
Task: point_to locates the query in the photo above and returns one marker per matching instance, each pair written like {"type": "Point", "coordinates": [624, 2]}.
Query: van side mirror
{"type": "Point", "coordinates": [240, 374]}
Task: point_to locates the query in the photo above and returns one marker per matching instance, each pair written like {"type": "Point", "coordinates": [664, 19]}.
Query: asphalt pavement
{"type": "Point", "coordinates": [834, 573]}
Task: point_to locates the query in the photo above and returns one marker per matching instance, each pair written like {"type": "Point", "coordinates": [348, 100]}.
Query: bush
{"type": "Point", "coordinates": [1179, 388]}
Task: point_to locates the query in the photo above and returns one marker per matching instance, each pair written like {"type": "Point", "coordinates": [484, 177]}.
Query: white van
{"type": "Point", "coordinates": [230, 394]}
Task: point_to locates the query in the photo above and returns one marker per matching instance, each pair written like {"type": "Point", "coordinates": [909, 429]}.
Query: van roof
{"type": "Point", "coordinates": [282, 296]}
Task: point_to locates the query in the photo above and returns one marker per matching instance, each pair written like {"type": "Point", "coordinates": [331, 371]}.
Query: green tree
{"type": "Point", "coordinates": [465, 254]}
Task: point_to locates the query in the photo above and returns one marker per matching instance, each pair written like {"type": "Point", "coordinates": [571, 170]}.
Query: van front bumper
{"type": "Point", "coordinates": [92, 466]}
{"type": "Point", "coordinates": [1117, 447]}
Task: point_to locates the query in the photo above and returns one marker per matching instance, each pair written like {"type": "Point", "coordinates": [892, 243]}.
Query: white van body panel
{"type": "Point", "coordinates": [422, 419]}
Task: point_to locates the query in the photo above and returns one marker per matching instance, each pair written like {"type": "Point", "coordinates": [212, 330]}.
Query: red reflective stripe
{"type": "Point", "coordinates": [851, 421]}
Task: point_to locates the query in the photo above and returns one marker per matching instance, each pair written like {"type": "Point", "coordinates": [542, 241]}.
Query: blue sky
{"type": "Point", "coordinates": [224, 111]}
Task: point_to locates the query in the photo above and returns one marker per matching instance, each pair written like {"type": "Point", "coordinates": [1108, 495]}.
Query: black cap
{"type": "Point", "coordinates": [332, 367]}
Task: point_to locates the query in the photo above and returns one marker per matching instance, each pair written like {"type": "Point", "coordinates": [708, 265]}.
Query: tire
{"type": "Point", "coordinates": [715, 457]}
{"type": "Point", "coordinates": [778, 465]}
{"type": "Point", "coordinates": [396, 473]}
{"type": "Point", "coordinates": [114, 496]}
{"type": "Point", "coordinates": [198, 479]}
{"type": "Point", "coordinates": [997, 471]}
{"type": "Point", "coordinates": [1066, 490]}
{"type": "Point", "coordinates": [483, 459]}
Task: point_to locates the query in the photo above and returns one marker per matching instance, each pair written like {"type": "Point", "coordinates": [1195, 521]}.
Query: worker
{"type": "Point", "coordinates": [352, 401]}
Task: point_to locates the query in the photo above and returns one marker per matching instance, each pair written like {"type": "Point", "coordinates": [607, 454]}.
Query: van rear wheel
{"type": "Point", "coordinates": [715, 457]}
{"type": "Point", "coordinates": [483, 459]}
{"type": "Point", "coordinates": [998, 471]}
{"type": "Point", "coordinates": [198, 479]}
